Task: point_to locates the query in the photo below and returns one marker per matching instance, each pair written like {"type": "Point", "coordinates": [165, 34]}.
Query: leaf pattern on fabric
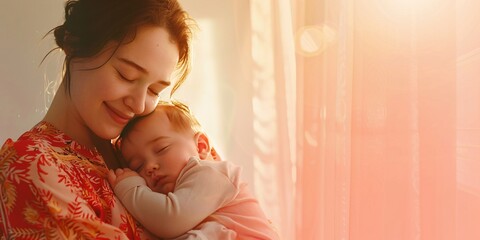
{"type": "Point", "coordinates": [54, 188]}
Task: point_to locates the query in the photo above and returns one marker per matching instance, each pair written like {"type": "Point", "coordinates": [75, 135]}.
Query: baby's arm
{"type": "Point", "coordinates": [210, 231]}
{"type": "Point", "coordinates": [171, 215]}
{"type": "Point", "coordinates": [120, 174]}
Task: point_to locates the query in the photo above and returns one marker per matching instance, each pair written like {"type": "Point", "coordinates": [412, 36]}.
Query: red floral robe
{"type": "Point", "coordinates": [54, 188]}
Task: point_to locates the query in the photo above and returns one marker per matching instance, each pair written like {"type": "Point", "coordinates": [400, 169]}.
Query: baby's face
{"type": "Point", "coordinates": [157, 152]}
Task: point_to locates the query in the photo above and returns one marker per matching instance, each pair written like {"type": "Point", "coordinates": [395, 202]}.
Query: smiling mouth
{"type": "Point", "coordinates": [116, 116]}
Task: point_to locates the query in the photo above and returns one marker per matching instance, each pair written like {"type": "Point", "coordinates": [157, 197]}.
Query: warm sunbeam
{"type": "Point", "coordinates": [401, 10]}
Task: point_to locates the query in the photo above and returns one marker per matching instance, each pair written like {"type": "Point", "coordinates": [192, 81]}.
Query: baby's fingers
{"type": "Point", "coordinates": [119, 171]}
{"type": "Point", "coordinates": [111, 177]}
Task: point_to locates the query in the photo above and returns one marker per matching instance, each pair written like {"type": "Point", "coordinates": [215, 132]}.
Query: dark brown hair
{"type": "Point", "coordinates": [91, 24]}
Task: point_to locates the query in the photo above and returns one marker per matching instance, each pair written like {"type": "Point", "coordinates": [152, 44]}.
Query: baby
{"type": "Point", "coordinates": [172, 161]}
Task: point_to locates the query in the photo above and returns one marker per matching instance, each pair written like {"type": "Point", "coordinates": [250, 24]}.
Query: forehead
{"type": "Point", "coordinates": [145, 131]}
{"type": "Point", "coordinates": [151, 48]}
{"type": "Point", "coordinates": [154, 124]}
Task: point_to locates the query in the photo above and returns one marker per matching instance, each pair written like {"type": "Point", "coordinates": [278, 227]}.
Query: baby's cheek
{"type": "Point", "coordinates": [148, 181]}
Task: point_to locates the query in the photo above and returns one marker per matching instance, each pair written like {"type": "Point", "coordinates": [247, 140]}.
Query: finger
{"type": "Point", "coordinates": [119, 171]}
{"type": "Point", "coordinates": [111, 177]}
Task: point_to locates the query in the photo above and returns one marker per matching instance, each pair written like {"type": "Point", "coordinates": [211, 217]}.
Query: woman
{"type": "Point", "coordinates": [119, 56]}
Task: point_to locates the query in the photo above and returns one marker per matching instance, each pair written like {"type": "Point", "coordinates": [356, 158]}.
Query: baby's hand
{"type": "Point", "coordinates": [114, 177]}
{"type": "Point", "coordinates": [215, 155]}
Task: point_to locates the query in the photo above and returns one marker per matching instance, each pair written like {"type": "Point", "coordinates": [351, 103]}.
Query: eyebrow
{"type": "Point", "coordinates": [133, 64]}
{"type": "Point", "coordinates": [141, 69]}
{"type": "Point", "coordinates": [157, 139]}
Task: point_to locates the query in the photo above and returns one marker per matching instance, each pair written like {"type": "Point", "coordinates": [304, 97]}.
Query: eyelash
{"type": "Point", "coordinates": [136, 169]}
{"type": "Point", "coordinates": [154, 93]}
{"type": "Point", "coordinates": [120, 75]}
{"type": "Point", "coordinates": [139, 168]}
{"type": "Point", "coordinates": [161, 150]}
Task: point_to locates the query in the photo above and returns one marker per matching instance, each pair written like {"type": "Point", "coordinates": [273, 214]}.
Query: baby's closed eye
{"type": "Point", "coordinates": [161, 149]}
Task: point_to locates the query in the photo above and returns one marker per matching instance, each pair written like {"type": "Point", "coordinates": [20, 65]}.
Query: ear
{"type": "Point", "coordinates": [203, 146]}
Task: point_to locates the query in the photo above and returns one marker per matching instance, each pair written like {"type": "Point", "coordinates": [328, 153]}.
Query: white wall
{"type": "Point", "coordinates": [219, 89]}
{"type": "Point", "coordinates": [22, 84]}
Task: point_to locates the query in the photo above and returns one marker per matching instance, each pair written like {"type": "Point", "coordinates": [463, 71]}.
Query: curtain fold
{"type": "Point", "coordinates": [366, 117]}
{"type": "Point", "coordinates": [403, 165]}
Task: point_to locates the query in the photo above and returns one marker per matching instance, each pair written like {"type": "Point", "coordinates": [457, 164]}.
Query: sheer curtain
{"type": "Point", "coordinates": [365, 116]}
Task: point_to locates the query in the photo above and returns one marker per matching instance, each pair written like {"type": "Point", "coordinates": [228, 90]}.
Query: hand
{"type": "Point", "coordinates": [114, 177]}
{"type": "Point", "coordinates": [215, 155]}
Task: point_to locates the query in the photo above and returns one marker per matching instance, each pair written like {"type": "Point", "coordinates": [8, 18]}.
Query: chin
{"type": "Point", "coordinates": [111, 134]}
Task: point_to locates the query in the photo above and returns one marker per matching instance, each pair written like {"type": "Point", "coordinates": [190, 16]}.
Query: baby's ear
{"type": "Point", "coordinates": [203, 146]}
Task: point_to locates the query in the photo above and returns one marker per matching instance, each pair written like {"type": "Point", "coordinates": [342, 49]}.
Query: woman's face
{"type": "Point", "coordinates": [104, 99]}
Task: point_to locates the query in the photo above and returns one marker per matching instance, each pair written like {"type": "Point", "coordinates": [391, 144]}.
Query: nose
{"type": "Point", "coordinates": [151, 168]}
{"type": "Point", "coordinates": [136, 100]}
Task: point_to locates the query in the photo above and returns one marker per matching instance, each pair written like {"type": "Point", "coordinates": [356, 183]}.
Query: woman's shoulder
{"type": "Point", "coordinates": [42, 140]}
{"type": "Point", "coordinates": [41, 135]}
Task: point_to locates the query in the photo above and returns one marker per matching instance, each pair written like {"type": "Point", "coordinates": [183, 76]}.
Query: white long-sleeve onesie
{"type": "Point", "coordinates": [209, 201]}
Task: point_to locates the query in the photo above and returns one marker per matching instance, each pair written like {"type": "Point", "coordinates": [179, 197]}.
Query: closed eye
{"type": "Point", "coordinates": [139, 168]}
{"type": "Point", "coordinates": [154, 92]}
{"type": "Point", "coordinates": [157, 88]}
{"type": "Point", "coordinates": [119, 74]}
{"type": "Point", "coordinates": [162, 149]}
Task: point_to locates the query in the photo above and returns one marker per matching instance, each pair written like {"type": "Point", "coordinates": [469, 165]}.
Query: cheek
{"type": "Point", "coordinates": [191, 149]}
{"type": "Point", "coordinates": [145, 176]}
{"type": "Point", "coordinates": [183, 158]}
{"type": "Point", "coordinates": [149, 183]}
{"type": "Point", "coordinates": [150, 104]}
{"type": "Point", "coordinates": [182, 154]}
{"type": "Point", "coordinates": [110, 87]}
{"type": "Point", "coordinates": [84, 94]}
{"type": "Point", "coordinates": [92, 83]}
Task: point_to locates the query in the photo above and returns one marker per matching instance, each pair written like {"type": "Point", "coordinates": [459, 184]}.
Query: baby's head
{"type": "Point", "coordinates": [158, 145]}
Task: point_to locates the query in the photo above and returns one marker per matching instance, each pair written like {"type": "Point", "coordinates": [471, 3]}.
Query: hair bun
{"type": "Point", "coordinates": [64, 39]}
{"type": "Point", "coordinates": [59, 33]}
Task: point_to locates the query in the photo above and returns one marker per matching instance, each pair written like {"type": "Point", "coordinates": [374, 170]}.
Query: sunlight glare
{"type": "Point", "coordinates": [313, 40]}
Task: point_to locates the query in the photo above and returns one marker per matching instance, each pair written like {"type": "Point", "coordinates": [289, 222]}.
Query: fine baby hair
{"type": "Point", "coordinates": [179, 115]}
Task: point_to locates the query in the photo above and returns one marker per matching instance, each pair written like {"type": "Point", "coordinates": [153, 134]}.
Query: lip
{"type": "Point", "coordinates": [157, 181]}
{"type": "Point", "coordinates": [117, 116]}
